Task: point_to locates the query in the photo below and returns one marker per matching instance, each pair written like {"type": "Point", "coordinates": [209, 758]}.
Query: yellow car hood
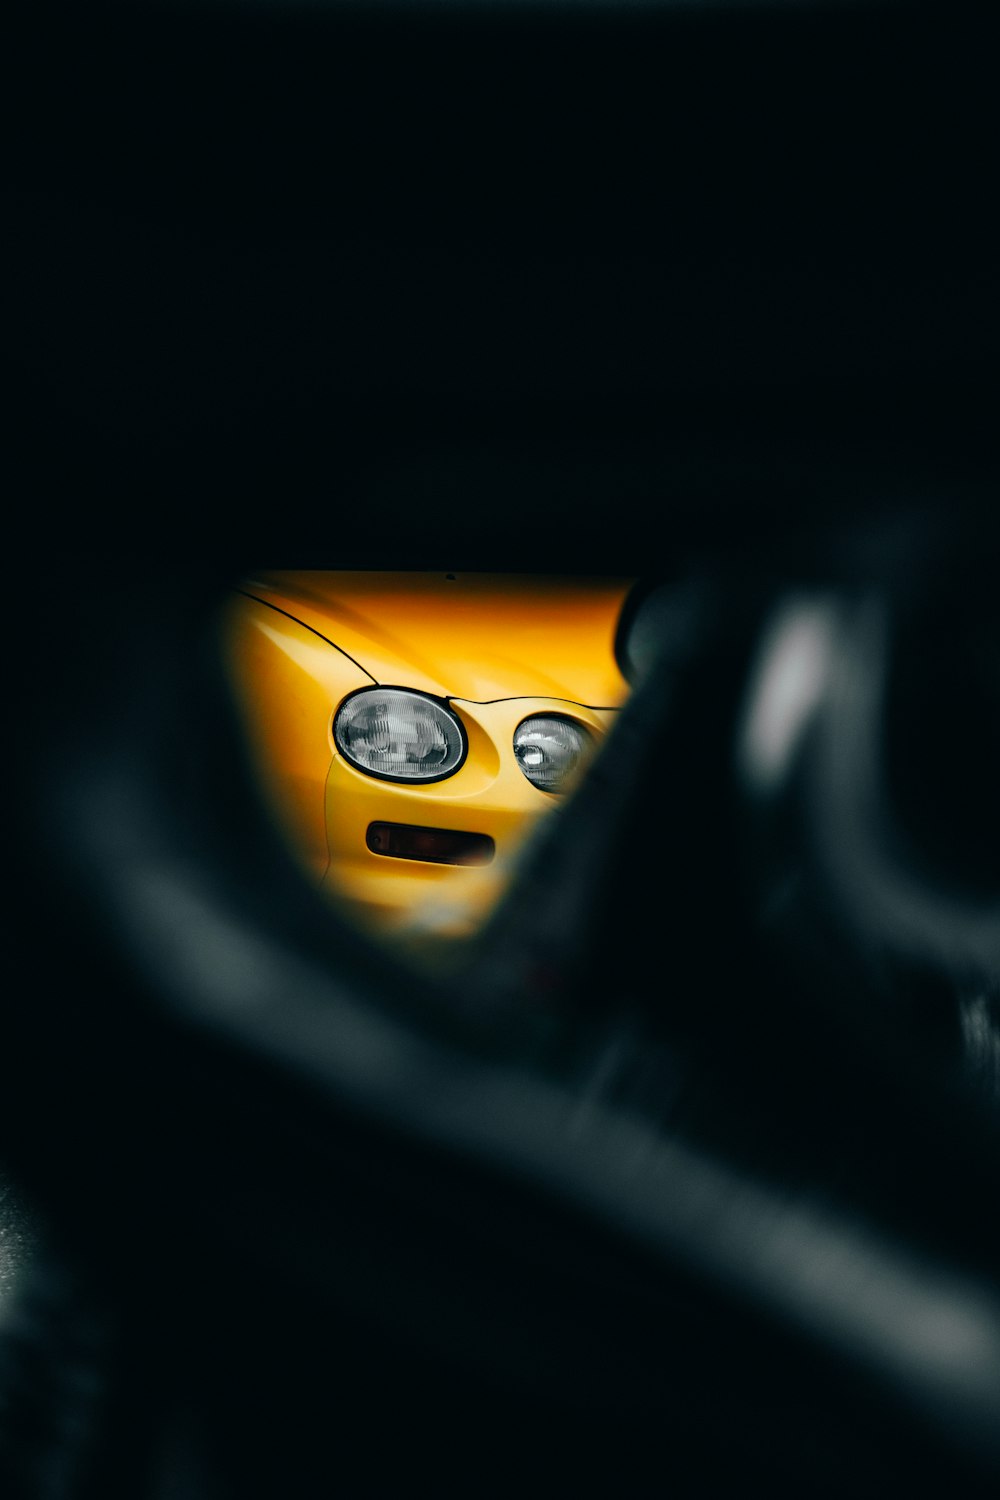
{"type": "Point", "coordinates": [479, 636]}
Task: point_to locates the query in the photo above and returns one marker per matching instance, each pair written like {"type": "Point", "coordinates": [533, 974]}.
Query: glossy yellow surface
{"type": "Point", "coordinates": [499, 648]}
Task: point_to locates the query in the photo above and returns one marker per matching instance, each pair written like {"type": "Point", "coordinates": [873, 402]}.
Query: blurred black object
{"type": "Point", "coordinates": [694, 1159]}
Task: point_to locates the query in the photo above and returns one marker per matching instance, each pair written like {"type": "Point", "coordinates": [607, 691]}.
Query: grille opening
{"type": "Point", "coordinates": [442, 846]}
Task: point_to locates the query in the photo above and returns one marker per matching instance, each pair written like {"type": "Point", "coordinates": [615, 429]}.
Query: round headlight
{"type": "Point", "coordinates": [548, 750]}
{"type": "Point", "coordinates": [398, 735]}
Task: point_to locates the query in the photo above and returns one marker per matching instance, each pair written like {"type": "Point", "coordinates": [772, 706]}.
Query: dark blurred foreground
{"type": "Point", "coordinates": [691, 1160]}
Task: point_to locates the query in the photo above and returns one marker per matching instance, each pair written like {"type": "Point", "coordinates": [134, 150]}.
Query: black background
{"type": "Point", "coordinates": [528, 284]}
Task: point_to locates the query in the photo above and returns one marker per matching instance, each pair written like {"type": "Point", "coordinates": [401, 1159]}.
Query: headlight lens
{"type": "Point", "coordinates": [399, 735]}
{"type": "Point", "coordinates": [549, 749]}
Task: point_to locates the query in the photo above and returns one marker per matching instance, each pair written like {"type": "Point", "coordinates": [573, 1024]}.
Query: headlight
{"type": "Point", "coordinates": [548, 750]}
{"type": "Point", "coordinates": [399, 735]}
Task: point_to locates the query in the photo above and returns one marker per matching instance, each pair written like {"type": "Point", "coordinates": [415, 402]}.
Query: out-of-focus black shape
{"type": "Point", "coordinates": [733, 913]}
{"type": "Point", "coordinates": [683, 1178]}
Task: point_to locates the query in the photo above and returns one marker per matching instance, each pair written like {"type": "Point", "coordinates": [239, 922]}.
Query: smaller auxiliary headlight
{"type": "Point", "coordinates": [399, 735]}
{"type": "Point", "coordinates": [549, 749]}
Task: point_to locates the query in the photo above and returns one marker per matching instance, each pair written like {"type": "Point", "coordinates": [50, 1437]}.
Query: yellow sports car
{"type": "Point", "coordinates": [411, 727]}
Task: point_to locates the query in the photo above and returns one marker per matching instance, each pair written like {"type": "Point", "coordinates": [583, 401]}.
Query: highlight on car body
{"type": "Point", "coordinates": [411, 728]}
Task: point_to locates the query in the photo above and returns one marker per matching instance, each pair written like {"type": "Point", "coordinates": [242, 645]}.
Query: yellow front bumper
{"type": "Point", "coordinates": [488, 795]}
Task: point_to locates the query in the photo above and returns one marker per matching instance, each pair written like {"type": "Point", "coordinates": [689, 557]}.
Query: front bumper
{"type": "Point", "coordinates": [488, 795]}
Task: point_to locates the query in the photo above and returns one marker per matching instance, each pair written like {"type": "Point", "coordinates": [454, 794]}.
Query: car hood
{"type": "Point", "coordinates": [478, 636]}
